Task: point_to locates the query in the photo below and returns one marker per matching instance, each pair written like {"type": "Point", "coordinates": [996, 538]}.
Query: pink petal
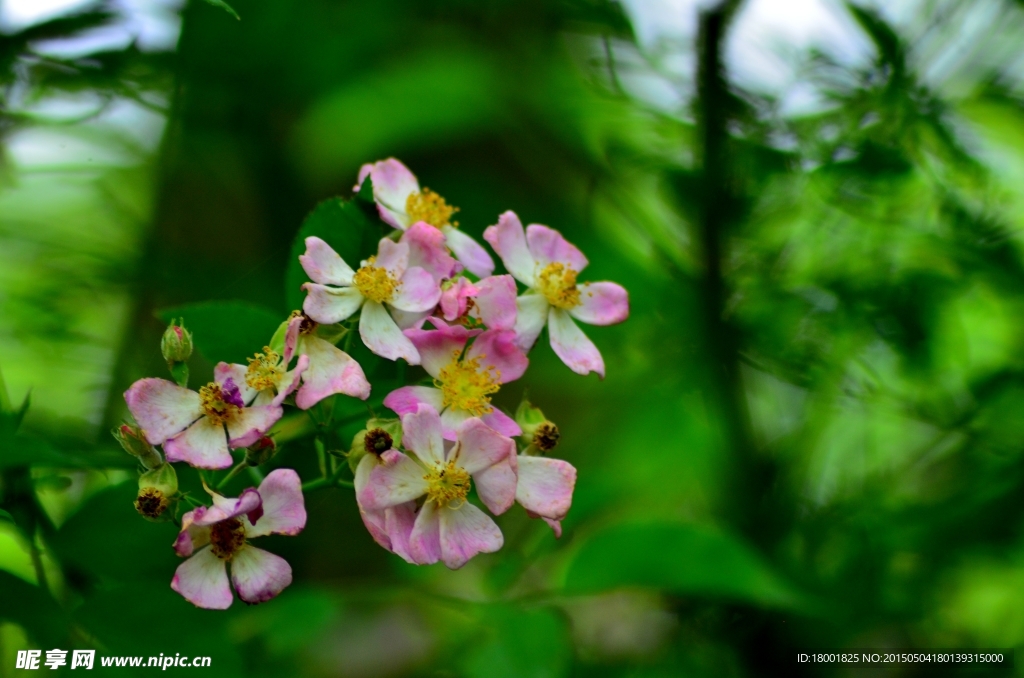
{"type": "Point", "coordinates": [409, 398]}
{"type": "Point", "coordinates": [259, 575]}
{"type": "Point", "coordinates": [531, 316]}
{"type": "Point", "coordinates": [399, 521]}
{"type": "Point", "coordinates": [162, 408]}
{"type": "Point", "coordinates": [468, 251]}
{"type": "Point", "coordinates": [439, 347]}
{"type": "Point", "coordinates": [203, 581]}
{"type": "Point", "coordinates": [549, 246]}
{"type": "Point", "coordinates": [572, 346]}
{"type": "Point", "coordinates": [284, 509]}
{"type": "Point", "coordinates": [249, 503]}
{"type": "Point", "coordinates": [496, 302]}
{"type": "Point", "coordinates": [496, 485]}
{"type": "Point", "coordinates": [509, 240]}
{"type": "Point", "coordinates": [421, 433]}
{"type": "Point", "coordinates": [427, 250]}
{"type": "Point", "coordinates": [555, 525]}
{"type": "Point", "coordinates": [291, 380]}
{"type": "Point", "coordinates": [498, 349]}
{"type": "Point", "coordinates": [375, 521]}
{"type": "Point", "coordinates": [392, 184]}
{"type": "Point", "coordinates": [502, 423]}
{"type": "Point", "coordinates": [191, 536]}
{"type": "Point", "coordinates": [330, 371]}
{"type": "Point", "coordinates": [451, 420]}
{"type": "Point", "coordinates": [393, 257]}
{"type": "Point", "coordinates": [602, 303]}
{"type": "Point", "coordinates": [425, 539]}
{"type": "Point", "coordinates": [202, 445]}
{"type": "Point", "coordinates": [329, 305]}
{"type": "Point", "coordinates": [545, 486]}
{"type": "Point", "coordinates": [323, 265]}
{"type": "Point", "coordinates": [398, 480]}
{"type": "Point", "coordinates": [418, 291]}
{"type": "Point", "coordinates": [249, 424]}
{"type": "Point", "coordinates": [453, 300]}
{"type": "Point", "coordinates": [382, 336]}
{"type": "Point", "coordinates": [291, 339]}
{"type": "Point", "coordinates": [479, 446]}
{"type": "Point", "coordinates": [236, 373]}
{"type": "Point", "coordinates": [408, 319]}
{"type": "Point", "coordinates": [465, 532]}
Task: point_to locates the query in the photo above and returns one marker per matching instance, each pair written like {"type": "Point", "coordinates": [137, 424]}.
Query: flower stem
{"type": "Point", "coordinates": [334, 480]}
{"type": "Point", "coordinates": [231, 474]}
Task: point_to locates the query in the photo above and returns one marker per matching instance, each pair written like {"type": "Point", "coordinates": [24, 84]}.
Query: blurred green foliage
{"type": "Point", "coordinates": [810, 440]}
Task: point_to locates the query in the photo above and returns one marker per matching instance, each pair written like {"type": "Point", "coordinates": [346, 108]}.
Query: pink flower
{"type": "Point", "coordinates": [463, 384]}
{"type": "Point", "coordinates": [491, 301]}
{"type": "Point", "coordinates": [390, 527]}
{"type": "Point", "coordinates": [322, 368]}
{"type": "Point", "coordinates": [191, 426]}
{"type": "Point", "coordinates": [447, 527]}
{"type": "Point", "coordinates": [548, 264]}
{"type": "Point", "coordinates": [545, 488]}
{"type": "Point", "coordinates": [219, 535]}
{"type": "Point", "coordinates": [337, 292]}
{"type": "Point", "coordinates": [402, 203]}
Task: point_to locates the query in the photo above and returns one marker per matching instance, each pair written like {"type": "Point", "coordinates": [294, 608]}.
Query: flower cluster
{"type": "Point", "coordinates": [427, 296]}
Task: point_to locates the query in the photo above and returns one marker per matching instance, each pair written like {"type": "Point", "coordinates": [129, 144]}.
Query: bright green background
{"type": "Point", "coordinates": [859, 483]}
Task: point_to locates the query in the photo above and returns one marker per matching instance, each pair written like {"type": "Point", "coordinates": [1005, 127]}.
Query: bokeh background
{"type": "Point", "coordinates": [811, 430]}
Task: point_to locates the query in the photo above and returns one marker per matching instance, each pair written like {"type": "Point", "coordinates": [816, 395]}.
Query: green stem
{"type": "Point", "coordinates": [239, 467]}
{"type": "Point", "coordinates": [37, 562]}
{"type": "Point", "coordinates": [334, 480]}
{"type": "Point", "coordinates": [255, 474]}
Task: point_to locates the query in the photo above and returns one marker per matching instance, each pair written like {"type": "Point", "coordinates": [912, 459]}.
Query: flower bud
{"type": "Point", "coordinates": [158, 490]}
{"type": "Point", "coordinates": [260, 453]}
{"type": "Point", "coordinates": [379, 436]}
{"type": "Point", "coordinates": [176, 344]}
{"type": "Point", "coordinates": [539, 433]}
{"type": "Point", "coordinates": [134, 443]}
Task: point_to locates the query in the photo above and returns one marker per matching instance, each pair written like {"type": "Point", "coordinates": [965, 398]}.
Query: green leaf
{"type": "Point", "coordinates": [342, 224]}
{"type": "Point", "coordinates": [224, 6]}
{"type": "Point", "coordinates": [226, 330]}
{"type": "Point", "coordinates": [26, 451]}
{"type": "Point", "coordinates": [4, 515]}
{"type": "Point", "coordinates": [519, 644]}
{"type": "Point", "coordinates": [677, 558]}
{"type": "Point", "coordinates": [30, 607]}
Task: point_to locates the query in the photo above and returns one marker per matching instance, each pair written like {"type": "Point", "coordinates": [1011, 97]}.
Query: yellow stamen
{"type": "Point", "coordinates": [466, 387]}
{"type": "Point", "coordinates": [375, 282]}
{"type": "Point", "coordinates": [211, 399]}
{"type": "Point", "coordinates": [227, 538]}
{"type": "Point", "coordinates": [447, 484]}
{"type": "Point", "coordinates": [265, 370]}
{"type": "Point", "coordinates": [557, 282]}
{"type": "Point", "coordinates": [430, 207]}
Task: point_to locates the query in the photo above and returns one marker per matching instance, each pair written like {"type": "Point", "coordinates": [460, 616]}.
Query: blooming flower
{"type": "Point", "coordinates": [387, 279]}
{"type": "Point", "coordinates": [447, 527]}
{"type": "Point", "coordinates": [491, 301]}
{"type": "Point", "coordinates": [401, 203]}
{"type": "Point", "coordinates": [390, 527]}
{"type": "Point", "coordinates": [463, 384]}
{"type": "Point", "coordinates": [191, 426]}
{"type": "Point", "coordinates": [548, 265]}
{"type": "Point", "coordinates": [219, 535]}
{"type": "Point", "coordinates": [322, 368]}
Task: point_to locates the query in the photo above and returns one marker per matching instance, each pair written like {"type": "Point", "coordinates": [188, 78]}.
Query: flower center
{"type": "Point", "coordinates": [375, 282]}
{"type": "Point", "coordinates": [557, 282]}
{"type": "Point", "coordinates": [151, 502]}
{"type": "Point", "coordinates": [430, 207]}
{"type": "Point", "coordinates": [265, 370]}
{"type": "Point", "coordinates": [220, 403]}
{"type": "Point", "coordinates": [377, 441]}
{"type": "Point", "coordinates": [227, 537]}
{"type": "Point", "coordinates": [447, 483]}
{"type": "Point", "coordinates": [545, 438]}
{"type": "Point", "coordinates": [466, 387]}
{"type": "Point", "coordinates": [308, 325]}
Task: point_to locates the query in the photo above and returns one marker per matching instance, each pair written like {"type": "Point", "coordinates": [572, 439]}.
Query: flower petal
{"type": "Point", "coordinates": [468, 251]}
{"type": "Point", "coordinates": [496, 302]}
{"type": "Point", "coordinates": [570, 344]}
{"type": "Point", "coordinates": [465, 532]}
{"type": "Point", "coordinates": [291, 380]}
{"type": "Point", "coordinates": [236, 373]}
{"type": "Point", "coordinates": [451, 419]}
{"type": "Point", "coordinates": [437, 348]}
{"type": "Point", "coordinates": [479, 446]}
{"type": "Point", "coordinates": [509, 240]}
{"type": "Point", "coordinates": [393, 257]}
{"type": "Point", "coordinates": [531, 316]}
{"type": "Point", "coordinates": [203, 581]}
{"type": "Point", "coordinates": [602, 303]}
{"type": "Point", "coordinates": [409, 320]}
{"type": "Point", "coordinates": [555, 525]}
{"type": "Point", "coordinates": [323, 265]}
{"type": "Point", "coordinates": [498, 348]}
{"type": "Point", "coordinates": [375, 521]}
{"type": "Point", "coordinates": [330, 305]}
{"type": "Point", "coordinates": [409, 398]}
{"type": "Point", "coordinates": [549, 246]}
{"type": "Point", "coordinates": [396, 480]}
{"type": "Point", "coordinates": [399, 521]}
{"type": "Point", "coordinates": [545, 486]}
{"type": "Point", "coordinates": [330, 371]}
{"type": "Point", "coordinates": [382, 336]}
{"type": "Point", "coordinates": [502, 423]}
{"type": "Point", "coordinates": [259, 575]}
{"type": "Point", "coordinates": [418, 292]}
{"type": "Point", "coordinates": [454, 299]}
{"type": "Point", "coordinates": [392, 184]}
{"type": "Point", "coordinates": [284, 509]}
{"type": "Point", "coordinates": [427, 250]}
{"type": "Point", "coordinates": [425, 539]}
{"type": "Point", "coordinates": [249, 503]}
{"type": "Point", "coordinates": [291, 339]}
{"type": "Point", "coordinates": [191, 536]}
{"type": "Point", "coordinates": [162, 408]}
{"type": "Point", "coordinates": [249, 424]}
{"type": "Point", "coordinates": [202, 445]}
{"type": "Point", "coordinates": [496, 485]}
{"type": "Point", "coordinates": [421, 433]}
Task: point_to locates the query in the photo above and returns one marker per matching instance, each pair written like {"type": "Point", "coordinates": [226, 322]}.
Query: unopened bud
{"type": "Point", "coordinates": [539, 433]}
{"type": "Point", "coordinates": [176, 344]}
{"type": "Point", "coordinates": [261, 452]}
{"type": "Point", "coordinates": [134, 442]}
